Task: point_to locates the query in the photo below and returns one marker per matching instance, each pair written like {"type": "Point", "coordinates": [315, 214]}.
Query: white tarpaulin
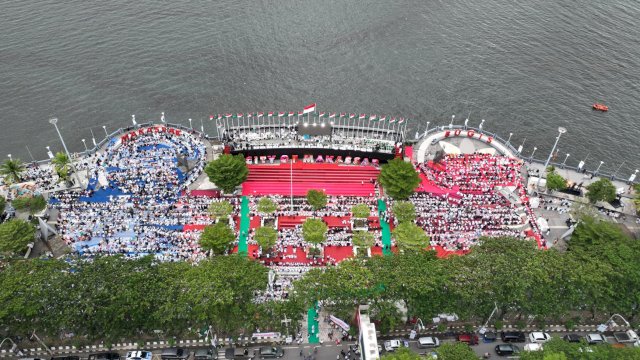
{"type": "Point", "coordinates": [542, 224]}
{"type": "Point", "coordinates": [340, 323]}
{"type": "Point", "coordinates": [449, 148]}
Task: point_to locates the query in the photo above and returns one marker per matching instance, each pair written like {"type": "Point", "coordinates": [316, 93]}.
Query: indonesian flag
{"type": "Point", "coordinates": [291, 113]}
{"type": "Point", "coordinates": [219, 117]}
{"type": "Point", "coordinates": [392, 120]}
{"type": "Point", "coordinates": [271, 113]}
{"type": "Point", "coordinates": [351, 116]}
{"type": "Point", "coordinates": [332, 115]}
{"type": "Point", "coordinates": [210, 117]}
{"type": "Point", "coordinates": [260, 114]}
{"type": "Point", "coordinates": [240, 115]}
{"type": "Point", "coordinates": [362, 116]}
{"type": "Point", "coordinates": [249, 115]}
{"type": "Point", "coordinates": [321, 115]}
{"type": "Point", "coordinates": [281, 114]}
{"type": "Point", "coordinates": [309, 108]}
{"type": "Point", "coordinates": [401, 120]}
{"type": "Point", "coordinates": [343, 115]}
{"type": "Point", "coordinates": [228, 115]}
{"type": "Point", "coordinates": [300, 113]}
{"type": "Point", "coordinates": [373, 117]}
{"type": "Point", "coordinates": [383, 118]}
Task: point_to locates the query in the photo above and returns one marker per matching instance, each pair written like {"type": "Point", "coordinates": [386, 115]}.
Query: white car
{"type": "Point", "coordinates": [392, 345]}
{"type": "Point", "coordinates": [139, 355]}
{"type": "Point", "coordinates": [537, 337]}
{"type": "Point", "coordinates": [593, 339]}
{"type": "Point", "coordinates": [533, 347]}
{"type": "Point", "coordinates": [428, 342]}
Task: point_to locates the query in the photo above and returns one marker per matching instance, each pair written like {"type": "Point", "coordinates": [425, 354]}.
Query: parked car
{"type": "Point", "coordinates": [174, 354]}
{"type": "Point", "coordinates": [428, 342]}
{"type": "Point", "coordinates": [65, 358]}
{"type": "Point", "coordinates": [593, 339]}
{"type": "Point", "coordinates": [572, 338]}
{"type": "Point", "coordinates": [205, 354]}
{"type": "Point", "coordinates": [507, 349]}
{"type": "Point", "coordinates": [104, 356]}
{"type": "Point", "coordinates": [392, 345]}
{"type": "Point", "coordinates": [533, 347]}
{"type": "Point", "coordinates": [512, 336]}
{"type": "Point", "coordinates": [471, 339]}
{"type": "Point", "coordinates": [539, 337]}
{"type": "Point", "coordinates": [238, 354]}
{"type": "Point", "coordinates": [139, 355]}
{"type": "Point", "coordinates": [628, 336]}
{"type": "Point", "coordinates": [270, 352]}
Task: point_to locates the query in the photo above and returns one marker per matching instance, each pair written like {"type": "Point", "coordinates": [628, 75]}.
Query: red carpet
{"type": "Point", "coordinates": [208, 193]}
{"type": "Point", "coordinates": [290, 221]}
{"type": "Point", "coordinates": [442, 253]}
{"type": "Point", "coordinates": [338, 253]}
{"type": "Point", "coordinates": [334, 179]}
{"type": "Point", "coordinates": [408, 152]}
{"type": "Point", "coordinates": [193, 227]}
{"type": "Point", "coordinates": [255, 222]}
{"type": "Point", "coordinates": [338, 222]}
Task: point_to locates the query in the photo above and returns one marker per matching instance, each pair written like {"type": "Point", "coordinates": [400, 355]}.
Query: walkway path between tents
{"type": "Point", "coordinates": [313, 327]}
{"type": "Point", "coordinates": [244, 227]}
{"type": "Point", "coordinates": [386, 232]}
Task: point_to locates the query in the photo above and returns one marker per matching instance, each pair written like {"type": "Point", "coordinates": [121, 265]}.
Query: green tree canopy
{"type": "Point", "coordinates": [317, 199]}
{"type": "Point", "coordinates": [555, 181]}
{"type": "Point", "coordinates": [456, 351]}
{"type": "Point", "coordinates": [220, 209]}
{"type": "Point", "coordinates": [267, 206]}
{"type": "Point", "coordinates": [217, 238]}
{"type": "Point", "coordinates": [61, 164]}
{"type": "Point", "coordinates": [314, 231]}
{"type": "Point", "coordinates": [15, 234]}
{"type": "Point", "coordinates": [601, 190]}
{"type": "Point", "coordinates": [227, 171]}
{"type": "Point", "coordinates": [399, 179]}
{"type": "Point", "coordinates": [363, 239]}
{"type": "Point", "coordinates": [636, 199]}
{"type": "Point", "coordinates": [404, 211]}
{"type": "Point", "coordinates": [31, 203]}
{"type": "Point", "coordinates": [3, 204]}
{"type": "Point", "coordinates": [410, 236]}
{"type": "Point", "coordinates": [12, 170]}
{"type": "Point", "coordinates": [402, 354]}
{"type": "Point", "coordinates": [266, 237]}
{"type": "Point", "coordinates": [360, 211]}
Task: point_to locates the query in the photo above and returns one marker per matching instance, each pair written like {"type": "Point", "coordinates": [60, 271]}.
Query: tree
{"type": "Point", "coordinates": [404, 211]}
{"type": "Point", "coordinates": [363, 239]}
{"type": "Point", "coordinates": [266, 237]}
{"type": "Point", "coordinates": [3, 204]}
{"type": "Point", "coordinates": [31, 203]}
{"type": "Point", "coordinates": [15, 234]}
{"type": "Point", "coordinates": [12, 170]}
{"type": "Point", "coordinates": [314, 231]}
{"type": "Point", "coordinates": [410, 236]}
{"type": "Point", "coordinates": [220, 209]}
{"type": "Point", "coordinates": [399, 179]}
{"type": "Point", "coordinates": [360, 211]}
{"type": "Point", "coordinates": [317, 199]}
{"type": "Point", "coordinates": [555, 181]}
{"type": "Point", "coordinates": [61, 165]}
{"type": "Point", "coordinates": [636, 199]}
{"type": "Point", "coordinates": [217, 238]}
{"type": "Point", "coordinates": [601, 190]}
{"type": "Point", "coordinates": [227, 171]}
{"type": "Point", "coordinates": [266, 206]}
{"type": "Point", "coordinates": [455, 351]}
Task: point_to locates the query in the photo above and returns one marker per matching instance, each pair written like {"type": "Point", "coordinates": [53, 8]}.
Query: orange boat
{"type": "Point", "coordinates": [601, 107]}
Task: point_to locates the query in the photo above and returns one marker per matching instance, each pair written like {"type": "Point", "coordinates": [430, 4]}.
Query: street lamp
{"type": "Point", "coordinates": [521, 146]}
{"type": "Point", "coordinates": [533, 152]}
{"type": "Point", "coordinates": [611, 323]}
{"type": "Point", "coordinates": [618, 169]}
{"type": "Point", "coordinates": [86, 149]}
{"type": "Point", "coordinates": [509, 139]}
{"type": "Point", "coordinates": [451, 123]}
{"type": "Point", "coordinates": [54, 122]}
{"type": "Point", "coordinates": [565, 160]}
{"type": "Point", "coordinates": [93, 138]}
{"type": "Point", "coordinates": [427, 129]}
{"type": "Point", "coordinates": [14, 346]}
{"type": "Point", "coordinates": [162, 117]}
{"type": "Point", "coordinates": [9, 155]}
{"type": "Point", "coordinates": [49, 153]}
{"type": "Point", "coordinates": [105, 131]}
{"type": "Point", "coordinates": [190, 125]}
{"type": "Point", "coordinates": [561, 131]}
{"type": "Point", "coordinates": [480, 126]}
{"type": "Point", "coordinates": [633, 176]}
{"type": "Point", "coordinates": [133, 120]}
{"type": "Point", "coordinates": [202, 126]}
{"type": "Point", "coordinates": [596, 172]}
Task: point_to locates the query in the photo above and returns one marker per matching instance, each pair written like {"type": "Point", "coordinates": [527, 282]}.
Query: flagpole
{"type": "Point", "coordinates": [291, 180]}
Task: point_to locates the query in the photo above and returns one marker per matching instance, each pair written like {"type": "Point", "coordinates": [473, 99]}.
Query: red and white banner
{"type": "Point", "coordinates": [309, 108]}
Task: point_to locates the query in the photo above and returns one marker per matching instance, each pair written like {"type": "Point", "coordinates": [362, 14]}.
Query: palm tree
{"type": "Point", "coordinates": [12, 170]}
{"type": "Point", "coordinates": [61, 164]}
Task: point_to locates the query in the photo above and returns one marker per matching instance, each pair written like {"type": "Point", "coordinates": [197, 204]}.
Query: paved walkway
{"type": "Point", "coordinates": [386, 231]}
{"type": "Point", "coordinates": [244, 227]}
{"type": "Point", "coordinates": [313, 326]}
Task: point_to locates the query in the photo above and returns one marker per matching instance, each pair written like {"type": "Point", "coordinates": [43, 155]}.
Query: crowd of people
{"type": "Point", "coordinates": [134, 204]}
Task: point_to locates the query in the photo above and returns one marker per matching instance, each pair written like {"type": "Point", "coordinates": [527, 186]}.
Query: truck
{"type": "Point", "coordinates": [628, 336]}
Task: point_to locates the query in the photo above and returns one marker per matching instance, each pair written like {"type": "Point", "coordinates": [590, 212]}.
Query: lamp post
{"type": "Point", "coordinates": [480, 126]}
{"type": "Point", "coordinates": [133, 120]}
{"type": "Point", "coordinates": [633, 176]}
{"type": "Point", "coordinates": [93, 138]}
{"type": "Point", "coordinates": [596, 172]}
{"type": "Point", "coordinates": [561, 131]}
{"type": "Point", "coordinates": [9, 156]}
{"type": "Point", "coordinates": [451, 123]}
{"type": "Point", "coordinates": [565, 160]}
{"type": "Point", "coordinates": [427, 129]}
{"type": "Point", "coordinates": [190, 124]}
{"type": "Point", "coordinates": [521, 146]}
{"type": "Point", "coordinates": [618, 169]}
{"type": "Point", "coordinates": [54, 122]}
{"type": "Point", "coordinates": [49, 153]}
{"type": "Point", "coordinates": [14, 346]}
{"type": "Point", "coordinates": [106, 134]}
{"type": "Point", "coordinates": [611, 323]}
{"type": "Point", "coordinates": [509, 139]}
{"type": "Point", "coordinates": [533, 152]}
{"type": "Point", "coordinates": [84, 142]}
{"type": "Point", "coordinates": [202, 126]}
{"type": "Point", "coordinates": [162, 117]}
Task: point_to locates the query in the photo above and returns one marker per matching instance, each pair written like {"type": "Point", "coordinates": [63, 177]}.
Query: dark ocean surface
{"type": "Point", "coordinates": [525, 67]}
